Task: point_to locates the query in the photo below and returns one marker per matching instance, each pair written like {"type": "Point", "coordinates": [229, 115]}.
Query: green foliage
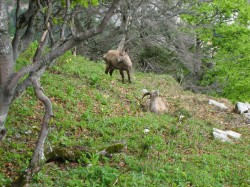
{"type": "Point", "coordinates": [229, 42]}
{"type": "Point", "coordinates": [84, 3]}
{"type": "Point", "coordinates": [26, 57]}
{"type": "Point", "coordinates": [232, 62]}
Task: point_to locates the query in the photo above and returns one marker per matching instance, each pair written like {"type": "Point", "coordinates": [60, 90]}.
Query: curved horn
{"type": "Point", "coordinates": [147, 93]}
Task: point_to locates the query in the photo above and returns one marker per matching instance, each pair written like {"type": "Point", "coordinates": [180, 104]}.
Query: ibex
{"type": "Point", "coordinates": [156, 104]}
{"type": "Point", "coordinates": [115, 59]}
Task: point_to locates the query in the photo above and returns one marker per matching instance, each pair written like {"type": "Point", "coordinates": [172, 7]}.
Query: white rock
{"type": "Point", "coordinates": [242, 107]}
{"type": "Point", "coordinates": [225, 136]}
{"type": "Point", "coordinates": [222, 106]}
{"type": "Point", "coordinates": [247, 115]}
{"type": "Point", "coordinates": [144, 91]}
{"type": "Point", "coordinates": [233, 134]}
{"type": "Point", "coordinates": [218, 131]}
{"type": "Point", "coordinates": [222, 137]}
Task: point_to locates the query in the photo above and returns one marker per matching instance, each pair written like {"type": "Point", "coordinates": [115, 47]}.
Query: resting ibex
{"type": "Point", "coordinates": [156, 104]}
{"type": "Point", "coordinates": [118, 60]}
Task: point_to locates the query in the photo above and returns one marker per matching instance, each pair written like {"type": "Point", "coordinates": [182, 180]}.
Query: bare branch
{"type": "Point", "coordinates": [59, 50]}
{"type": "Point", "coordinates": [52, 39]}
{"type": "Point", "coordinates": [44, 37]}
{"type": "Point", "coordinates": [41, 46]}
{"type": "Point", "coordinates": [31, 67]}
{"type": "Point", "coordinates": [20, 42]}
{"type": "Point", "coordinates": [71, 42]}
{"type": "Point", "coordinates": [66, 19]}
{"type": "Point", "coordinates": [92, 32]}
{"type": "Point", "coordinates": [38, 157]}
{"type": "Point", "coordinates": [126, 20]}
{"type": "Point", "coordinates": [22, 86]}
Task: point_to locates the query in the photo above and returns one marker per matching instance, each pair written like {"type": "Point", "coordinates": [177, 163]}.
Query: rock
{"type": "Point", "coordinates": [218, 105]}
{"type": "Point", "coordinates": [248, 121]}
{"type": "Point", "coordinates": [222, 137]}
{"type": "Point", "coordinates": [233, 134]}
{"type": "Point", "coordinates": [144, 91]}
{"type": "Point", "coordinates": [242, 107]}
{"type": "Point", "coordinates": [247, 116]}
{"type": "Point", "coordinates": [225, 136]}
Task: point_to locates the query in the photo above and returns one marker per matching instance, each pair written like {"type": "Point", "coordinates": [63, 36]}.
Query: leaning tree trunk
{"type": "Point", "coordinates": [38, 158]}
{"type": "Point", "coordinates": [6, 67]}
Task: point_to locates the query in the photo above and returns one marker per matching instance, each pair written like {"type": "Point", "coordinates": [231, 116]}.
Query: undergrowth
{"type": "Point", "coordinates": [94, 110]}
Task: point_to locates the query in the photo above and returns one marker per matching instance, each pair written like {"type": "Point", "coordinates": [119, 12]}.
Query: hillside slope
{"type": "Point", "coordinates": [94, 110]}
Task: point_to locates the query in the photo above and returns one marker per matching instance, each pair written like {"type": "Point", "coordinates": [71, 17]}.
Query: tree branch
{"type": "Point", "coordinates": [44, 37]}
{"type": "Point", "coordinates": [79, 37]}
{"type": "Point", "coordinates": [126, 22]}
{"type": "Point", "coordinates": [20, 43]}
{"type": "Point", "coordinates": [37, 62]}
{"type": "Point", "coordinates": [38, 157]}
{"type": "Point", "coordinates": [66, 19]}
{"type": "Point", "coordinates": [94, 31]}
{"type": "Point", "coordinates": [59, 50]}
{"type": "Point", "coordinates": [21, 87]}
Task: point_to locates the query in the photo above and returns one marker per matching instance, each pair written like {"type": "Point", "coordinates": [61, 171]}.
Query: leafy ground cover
{"type": "Point", "coordinates": [94, 110]}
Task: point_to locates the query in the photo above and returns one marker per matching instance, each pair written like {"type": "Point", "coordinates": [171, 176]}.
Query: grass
{"type": "Point", "coordinates": [95, 110]}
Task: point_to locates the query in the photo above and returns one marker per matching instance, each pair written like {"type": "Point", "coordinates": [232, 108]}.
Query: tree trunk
{"type": "Point", "coordinates": [6, 67]}
{"type": "Point", "coordinates": [126, 21]}
{"type": "Point", "coordinates": [197, 62]}
{"type": "Point", "coordinates": [38, 158]}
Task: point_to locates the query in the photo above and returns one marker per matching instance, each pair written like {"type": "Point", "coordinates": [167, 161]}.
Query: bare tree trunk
{"type": "Point", "coordinates": [197, 63]}
{"type": "Point", "coordinates": [126, 21]}
{"type": "Point", "coordinates": [38, 158]}
{"type": "Point", "coordinates": [6, 67]}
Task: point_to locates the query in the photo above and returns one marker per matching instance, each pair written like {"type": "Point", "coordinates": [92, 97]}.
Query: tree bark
{"type": "Point", "coordinates": [38, 158]}
{"type": "Point", "coordinates": [126, 22]}
{"type": "Point", "coordinates": [197, 62]}
{"type": "Point", "coordinates": [6, 67]}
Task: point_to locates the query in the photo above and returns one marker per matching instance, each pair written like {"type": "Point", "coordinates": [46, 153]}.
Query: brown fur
{"type": "Point", "coordinates": [115, 59]}
{"type": "Point", "coordinates": [156, 104]}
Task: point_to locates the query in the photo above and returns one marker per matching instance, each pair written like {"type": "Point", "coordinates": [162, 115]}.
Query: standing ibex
{"type": "Point", "coordinates": [156, 104]}
{"type": "Point", "coordinates": [118, 60]}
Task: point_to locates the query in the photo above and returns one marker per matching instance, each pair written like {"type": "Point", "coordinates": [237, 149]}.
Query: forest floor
{"type": "Point", "coordinates": [95, 110]}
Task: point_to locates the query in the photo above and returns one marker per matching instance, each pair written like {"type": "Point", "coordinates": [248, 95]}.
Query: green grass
{"type": "Point", "coordinates": [95, 110]}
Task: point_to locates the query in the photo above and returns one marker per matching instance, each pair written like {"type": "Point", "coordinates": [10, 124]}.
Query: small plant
{"type": "Point", "coordinates": [182, 113]}
{"type": "Point", "coordinates": [174, 130]}
{"type": "Point", "coordinates": [94, 78]}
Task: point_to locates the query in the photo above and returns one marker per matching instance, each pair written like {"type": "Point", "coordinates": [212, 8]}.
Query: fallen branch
{"type": "Point", "coordinates": [74, 153]}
